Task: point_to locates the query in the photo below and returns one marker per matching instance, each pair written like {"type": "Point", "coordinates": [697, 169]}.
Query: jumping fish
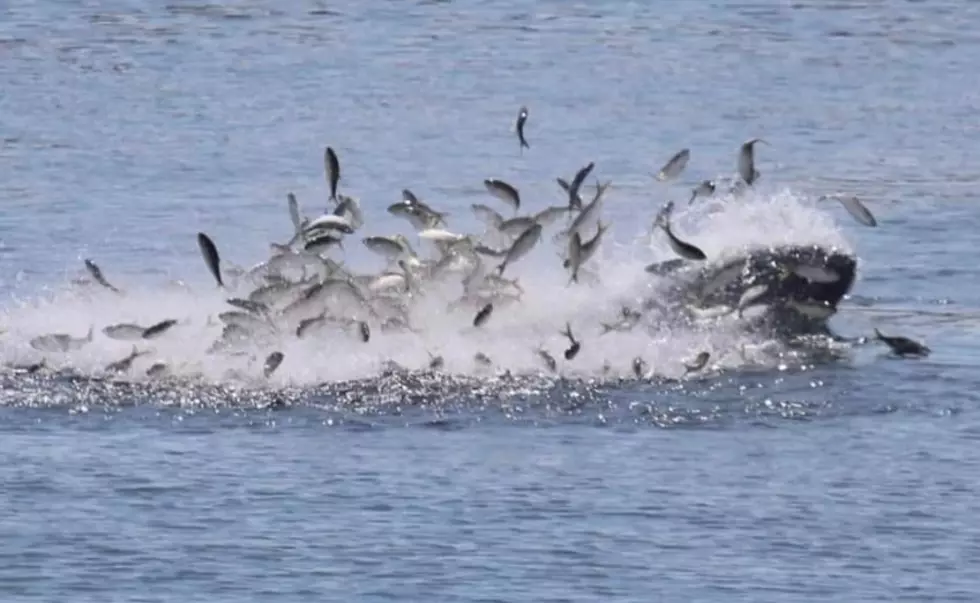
{"type": "Point", "coordinates": [483, 315]}
{"type": "Point", "coordinates": [519, 127]}
{"type": "Point", "coordinates": [211, 257]}
{"type": "Point", "coordinates": [746, 161]}
{"type": "Point", "coordinates": [699, 362]}
{"type": "Point", "coordinates": [574, 346]}
{"type": "Point", "coordinates": [97, 275]}
{"type": "Point", "coordinates": [854, 207]}
{"type": "Point", "coordinates": [674, 166]}
{"type": "Point", "coordinates": [504, 191]}
{"type": "Point", "coordinates": [332, 165]}
{"type": "Point", "coordinates": [158, 329]}
{"type": "Point", "coordinates": [576, 185]}
{"type": "Point", "coordinates": [524, 243]}
{"type": "Point", "coordinates": [272, 362]}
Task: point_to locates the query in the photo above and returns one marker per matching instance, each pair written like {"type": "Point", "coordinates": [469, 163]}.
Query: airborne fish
{"type": "Point", "coordinates": [576, 185]}
{"type": "Point", "coordinates": [124, 331]}
{"type": "Point", "coordinates": [519, 127]}
{"type": "Point", "coordinates": [60, 342]}
{"type": "Point", "coordinates": [123, 365]}
{"type": "Point", "coordinates": [483, 315]}
{"type": "Point", "coordinates": [548, 359]}
{"type": "Point", "coordinates": [574, 202]}
{"type": "Point", "coordinates": [574, 346]}
{"type": "Point", "coordinates": [746, 161]}
{"type": "Point", "coordinates": [705, 189]}
{"type": "Point", "coordinates": [97, 275]}
{"type": "Point", "coordinates": [699, 362]}
{"type": "Point", "coordinates": [681, 248]}
{"type": "Point", "coordinates": [158, 329]}
{"type": "Point", "coordinates": [503, 191]}
{"type": "Point", "coordinates": [674, 166]}
{"type": "Point", "coordinates": [524, 243]}
{"type": "Point", "coordinates": [332, 165]}
{"type": "Point", "coordinates": [854, 207]}
{"type": "Point", "coordinates": [272, 362]}
{"type": "Point", "coordinates": [211, 257]}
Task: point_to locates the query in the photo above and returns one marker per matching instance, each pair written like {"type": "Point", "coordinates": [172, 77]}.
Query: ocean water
{"type": "Point", "coordinates": [772, 475]}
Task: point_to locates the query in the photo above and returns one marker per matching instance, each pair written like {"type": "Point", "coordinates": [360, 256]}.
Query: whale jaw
{"type": "Point", "coordinates": [785, 292]}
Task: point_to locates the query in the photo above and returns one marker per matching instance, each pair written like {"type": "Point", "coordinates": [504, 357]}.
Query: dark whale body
{"type": "Point", "coordinates": [725, 283]}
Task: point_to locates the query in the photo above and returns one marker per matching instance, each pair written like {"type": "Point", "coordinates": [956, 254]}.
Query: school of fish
{"type": "Point", "coordinates": [304, 291]}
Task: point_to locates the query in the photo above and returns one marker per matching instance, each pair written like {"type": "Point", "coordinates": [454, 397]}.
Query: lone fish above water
{"type": "Point", "coordinates": [519, 127]}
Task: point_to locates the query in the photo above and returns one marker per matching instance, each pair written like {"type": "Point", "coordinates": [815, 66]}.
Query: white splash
{"type": "Point", "coordinates": [721, 227]}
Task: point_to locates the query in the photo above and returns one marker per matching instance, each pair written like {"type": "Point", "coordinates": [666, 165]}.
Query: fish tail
{"type": "Point", "coordinates": [524, 145]}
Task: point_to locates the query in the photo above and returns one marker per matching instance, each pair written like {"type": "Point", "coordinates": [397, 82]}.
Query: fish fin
{"type": "Point", "coordinates": [878, 335]}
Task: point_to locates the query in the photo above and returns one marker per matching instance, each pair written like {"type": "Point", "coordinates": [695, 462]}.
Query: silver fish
{"type": "Point", "coordinates": [589, 213]}
{"type": "Point", "coordinates": [483, 315]}
{"type": "Point", "coordinates": [574, 261]}
{"type": "Point", "coordinates": [575, 346]}
{"type": "Point", "coordinates": [487, 215]}
{"type": "Point", "coordinates": [699, 362]}
{"type": "Point", "coordinates": [60, 342]}
{"type": "Point", "coordinates": [576, 184]}
{"type": "Point", "coordinates": [248, 305]}
{"type": "Point", "coordinates": [667, 267]}
{"type": "Point", "coordinates": [515, 226]}
{"type": "Point", "coordinates": [390, 248]}
{"type": "Point", "coordinates": [574, 202]}
{"type": "Point", "coordinates": [857, 209]}
{"type": "Point", "coordinates": [124, 332]}
{"type": "Point", "coordinates": [96, 273]}
{"type": "Point", "coordinates": [307, 324]}
{"type": "Point", "coordinates": [674, 166]}
{"type": "Point", "coordinates": [550, 215]}
{"type": "Point", "coordinates": [159, 328]}
{"type": "Point", "coordinates": [503, 191]}
{"type": "Point", "coordinates": [211, 257]}
{"type": "Point", "coordinates": [524, 243]}
{"type": "Point", "coordinates": [123, 365]}
{"type": "Point", "coordinates": [746, 161]}
{"type": "Point", "coordinates": [158, 369]}
{"type": "Point", "coordinates": [332, 165]}
{"type": "Point", "coordinates": [548, 359]}
{"type": "Point", "coordinates": [294, 216]}
{"type": "Point", "coordinates": [364, 330]}
{"type": "Point", "coordinates": [519, 127]}
{"type": "Point", "coordinates": [589, 247]}
{"type": "Point", "coordinates": [272, 362]}
{"type": "Point", "coordinates": [705, 189]}
{"type": "Point", "coordinates": [681, 248]}
{"type": "Point", "coordinates": [490, 251]}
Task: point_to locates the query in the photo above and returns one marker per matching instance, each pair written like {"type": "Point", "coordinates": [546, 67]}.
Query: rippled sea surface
{"type": "Point", "coordinates": [126, 127]}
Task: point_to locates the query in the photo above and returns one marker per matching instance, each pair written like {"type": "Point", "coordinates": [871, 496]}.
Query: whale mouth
{"type": "Point", "coordinates": [789, 294]}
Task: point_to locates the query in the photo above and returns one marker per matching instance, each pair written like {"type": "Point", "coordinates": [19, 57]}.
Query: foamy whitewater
{"type": "Point", "coordinates": [722, 226]}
